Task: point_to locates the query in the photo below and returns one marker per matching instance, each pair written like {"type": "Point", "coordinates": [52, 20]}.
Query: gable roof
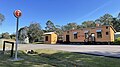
{"type": "Point", "coordinates": [113, 28]}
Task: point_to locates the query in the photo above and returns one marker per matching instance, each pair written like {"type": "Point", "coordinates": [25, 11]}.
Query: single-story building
{"type": "Point", "coordinates": [100, 33]}
{"type": "Point", "coordinates": [50, 38]}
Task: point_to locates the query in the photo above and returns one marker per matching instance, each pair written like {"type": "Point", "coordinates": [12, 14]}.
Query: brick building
{"type": "Point", "coordinates": [103, 33]}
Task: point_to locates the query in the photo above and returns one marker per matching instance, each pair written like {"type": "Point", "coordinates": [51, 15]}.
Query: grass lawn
{"type": "Point", "coordinates": [53, 58]}
{"type": "Point", "coordinates": [38, 43]}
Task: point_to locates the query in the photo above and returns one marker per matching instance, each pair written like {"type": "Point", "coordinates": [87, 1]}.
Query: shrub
{"type": "Point", "coordinates": [117, 40]}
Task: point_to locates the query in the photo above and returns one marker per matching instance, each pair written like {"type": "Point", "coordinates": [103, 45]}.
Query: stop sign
{"type": "Point", "coordinates": [17, 13]}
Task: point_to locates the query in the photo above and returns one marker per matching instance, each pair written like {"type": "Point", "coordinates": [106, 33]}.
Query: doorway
{"type": "Point", "coordinates": [67, 38]}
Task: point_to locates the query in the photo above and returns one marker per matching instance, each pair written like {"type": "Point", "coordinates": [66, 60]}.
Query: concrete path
{"type": "Point", "coordinates": [105, 50]}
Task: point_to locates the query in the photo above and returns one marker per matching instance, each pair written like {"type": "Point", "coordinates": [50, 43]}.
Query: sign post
{"type": "Point", "coordinates": [17, 14]}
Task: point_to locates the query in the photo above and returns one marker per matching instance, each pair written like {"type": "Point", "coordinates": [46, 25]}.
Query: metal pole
{"type": "Point", "coordinates": [16, 39]}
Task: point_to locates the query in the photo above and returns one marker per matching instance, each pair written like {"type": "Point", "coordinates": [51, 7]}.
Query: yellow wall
{"type": "Point", "coordinates": [52, 39]}
{"type": "Point", "coordinates": [112, 35]}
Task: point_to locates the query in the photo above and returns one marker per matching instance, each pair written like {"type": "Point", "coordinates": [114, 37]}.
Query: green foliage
{"type": "Point", "coordinates": [116, 24]}
{"type": "Point", "coordinates": [50, 27]}
{"type": "Point", "coordinates": [58, 30]}
{"type": "Point", "coordinates": [70, 26]}
{"type": "Point", "coordinates": [23, 33]}
{"type": "Point", "coordinates": [87, 24]}
{"type": "Point", "coordinates": [79, 26]}
{"type": "Point", "coordinates": [13, 36]}
{"type": "Point", "coordinates": [105, 19]}
{"type": "Point", "coordinates": [35, 32]}
{"type": "Point", "coordinates": [117, 40]}
{"type": "Point", "coordinates": [6, 35]}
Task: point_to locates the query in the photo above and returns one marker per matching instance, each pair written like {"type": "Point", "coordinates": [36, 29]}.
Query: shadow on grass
{"type": "Point", "coordinates": [58, 59]}
{"type": "Point", "coordinates": [104, 54]}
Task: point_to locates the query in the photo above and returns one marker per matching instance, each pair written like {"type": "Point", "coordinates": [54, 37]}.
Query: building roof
{"type": "Point", "coordinates": [113, 28]}
{"type": "Point", "coordinates": [49, 33]}
{"type": "Point", "coordinates": [95, 27]}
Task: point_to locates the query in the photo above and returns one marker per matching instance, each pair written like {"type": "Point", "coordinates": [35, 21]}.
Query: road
{"type": "Point", "coordinates": [106, 50]}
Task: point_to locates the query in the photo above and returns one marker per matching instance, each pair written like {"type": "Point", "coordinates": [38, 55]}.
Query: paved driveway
{"type": "Point", "coordinates": [106, 50]}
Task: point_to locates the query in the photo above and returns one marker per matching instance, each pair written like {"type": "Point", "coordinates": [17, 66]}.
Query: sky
{"type": "Point", "coordinates": [60, 12]}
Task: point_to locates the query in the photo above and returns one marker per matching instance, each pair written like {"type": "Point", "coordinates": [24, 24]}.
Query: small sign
{"type": "Point", "coordinates": [17, 13]}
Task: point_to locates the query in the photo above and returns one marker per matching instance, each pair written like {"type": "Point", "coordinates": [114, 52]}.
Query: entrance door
{"type": "Point", "coordinates": [67, 38]}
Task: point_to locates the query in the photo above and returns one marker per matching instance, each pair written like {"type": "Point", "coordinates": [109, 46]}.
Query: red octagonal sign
{"type": "Point", "coordinates": [17, 13]}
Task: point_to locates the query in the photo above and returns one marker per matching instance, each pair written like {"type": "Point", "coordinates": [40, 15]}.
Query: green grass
{"type": "Point", "coordinates": [38, 43]}
{"type": "Point", "coordinates": [53, 58]}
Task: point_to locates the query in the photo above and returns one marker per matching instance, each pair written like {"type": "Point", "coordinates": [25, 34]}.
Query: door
{"type": "Point", "coordinates": [67, 38]}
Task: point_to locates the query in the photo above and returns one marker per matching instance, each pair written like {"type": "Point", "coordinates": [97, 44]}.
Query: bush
{"type": "Point", "coordinates": [117, 40]}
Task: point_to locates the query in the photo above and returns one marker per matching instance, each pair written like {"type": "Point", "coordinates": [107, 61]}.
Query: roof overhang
{"type": "Point", "coordinates": [75, 32]}
{"type": "Point", "coordinates": [98, 30]}
{"type": "Point", "coordinates": [48, 33]}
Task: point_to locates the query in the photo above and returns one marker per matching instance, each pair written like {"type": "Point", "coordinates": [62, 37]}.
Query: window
{"type": "Point", "coordinates": [75, 35]}
{"type": "Point", "coordinates": [67, 31]}
{"type": "Point", "coordinates": [106, 33]}
{"type": "Point", "coordinates": [46, 38]}
{"type": "Point", "coordinates": [99, 34]}
{"type": "Point", "coordinates": [106, 27]}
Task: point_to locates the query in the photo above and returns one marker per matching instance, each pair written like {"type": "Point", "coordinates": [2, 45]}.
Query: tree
{"type": "Point", "coordinates": [116, 23]}
{"type": "Point", "coordinates": [117, 40]}
{"type": "Point", "coordinates": [23, 33]}
{"type": "Point", "coordinates": [6, 35]}
{"type": "Point", "coordinates": [105, 19]}
{"type": "Point", "coordinates": [50, 27]}
{"type": "Point", "coordinates": [58, 30]}
{"type": "Point", "coordinates": [108, 19]}
{"type": "Point", "coordinates": [79, 26]}
{"type": "Point", "coordinates": [69, 26]}
{"type": "Point", "coordinates": [35, 32]}
{"type": "Point", "coordinates": [2, 18]}
{"type": "Point", "coordinates": [87, 24]}
{"type": "Point", "coordinates": [13, 36]}
{"type": "Point", "coordinates": [118, 16]}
